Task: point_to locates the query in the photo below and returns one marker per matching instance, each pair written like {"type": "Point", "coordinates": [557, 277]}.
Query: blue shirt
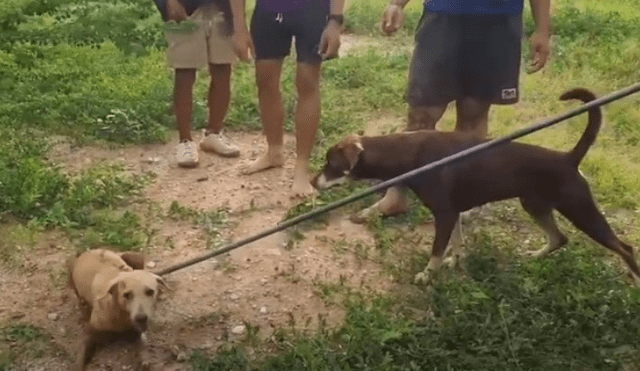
{"type": "Point", "coordinates": [475, 6]}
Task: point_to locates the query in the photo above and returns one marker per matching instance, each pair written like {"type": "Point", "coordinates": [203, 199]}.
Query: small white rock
{"type": "Point", "coordinates": [52, 316]}
{"type": "Point", "coordinates": [263, 310]}
{"type": "Point", "coordinates": [181, 357]}
{"type": "Point", "coordinates": [238, 330]}
{"type": "Point", "coordinates": [234, 297]}
{"type": "Point", "coordinates": [151, 265]}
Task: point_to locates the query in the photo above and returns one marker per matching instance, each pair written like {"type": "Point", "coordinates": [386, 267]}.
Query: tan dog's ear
{"type": "Point", "coordinates": [113, 287]}
{"type": "Point", "coordinates": [162, 284]}
{"type": "Point", "coordinates": [352, 152]}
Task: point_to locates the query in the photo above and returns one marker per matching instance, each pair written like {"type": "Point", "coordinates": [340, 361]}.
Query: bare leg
{"type": "Point", "coordinates": [472, 115]}
{"type": "Point", "coordinates": [272, 114]}
{"type": "Point", "coordinates": [219, 95]}
{"type": "Point", "coordinates": [183, 100]}
{"type": "Point", "coordinates": [307, 119]}
{"type": "Point", "coordinates": [394, 201]}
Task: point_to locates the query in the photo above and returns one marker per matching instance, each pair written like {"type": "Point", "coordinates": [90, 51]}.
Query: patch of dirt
{"type": "Point", "coordinates": [274, 283]}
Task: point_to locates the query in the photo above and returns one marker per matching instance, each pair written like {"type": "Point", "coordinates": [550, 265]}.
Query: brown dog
{"type": "Point", "coordinates": [120, 296]}
{"type": "Point", "coordinates": [541, 178]}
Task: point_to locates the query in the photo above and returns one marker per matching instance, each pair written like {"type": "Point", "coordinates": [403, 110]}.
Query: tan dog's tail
{"type": "Point", "coordinates": [593, 126]}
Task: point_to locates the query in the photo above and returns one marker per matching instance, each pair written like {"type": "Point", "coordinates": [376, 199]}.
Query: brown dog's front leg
{"type": "Point", "coordinates": [445, 223]}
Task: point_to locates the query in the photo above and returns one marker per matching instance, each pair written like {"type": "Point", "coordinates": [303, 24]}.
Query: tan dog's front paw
{"type": "Point", "coordinates": [144, 366]}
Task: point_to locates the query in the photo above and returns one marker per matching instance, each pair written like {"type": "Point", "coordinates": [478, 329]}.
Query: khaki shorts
{"type": "Point", "coordinates": [202, 44]}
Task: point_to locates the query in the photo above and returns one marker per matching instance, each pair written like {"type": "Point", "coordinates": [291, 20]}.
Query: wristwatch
{"type": "Point", "coordinates": [339, 18]}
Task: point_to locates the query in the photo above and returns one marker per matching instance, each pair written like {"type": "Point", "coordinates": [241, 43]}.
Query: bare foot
{"type": "Point", "coordinates": [301, 181]}
{"type": "Point", "coordinates": [272, 158]}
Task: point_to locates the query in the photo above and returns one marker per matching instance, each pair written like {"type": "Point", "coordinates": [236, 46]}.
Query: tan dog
{"type": "Point", "coordinates": [120, 296]}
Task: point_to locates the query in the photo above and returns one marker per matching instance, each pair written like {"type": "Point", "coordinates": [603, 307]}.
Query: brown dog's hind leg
{"type": "Point", "coordinates": [445, 222]}
{"type": "Point", "coordinates": [542, 214]}
{"type": "Point", "coordinates": [580, 209]}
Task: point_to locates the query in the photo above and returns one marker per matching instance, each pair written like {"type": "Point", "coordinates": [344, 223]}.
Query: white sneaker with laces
{"type": "Point", "coordinates": [219, 144]}
{"type": "Point", "coordinates": [187, 154]}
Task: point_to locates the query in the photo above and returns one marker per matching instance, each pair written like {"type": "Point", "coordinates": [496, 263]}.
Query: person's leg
{"type": "Point", "coordinates": [272, 43]}
{"type": "Point", "coordinates": [472, 115]}
{"type": "Point", "coordinates": [186, 54]}
{"type": "Point", "coordinates": [221, 57]}
{"type": "Point", "coordinates": [268, 73]}
{"type": "Point", "coordinates": [307, 119]}
{"type": "Point", "coordinates": [218, 101]}
{"type": "Point", "coordinates": [219, 95]}
{"type": "Point", "coordinates": [183, 100]}
{"type": "Point", "coordinates": [433, 82]}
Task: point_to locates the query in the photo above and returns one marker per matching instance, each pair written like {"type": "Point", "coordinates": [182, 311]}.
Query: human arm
{"type": "Point", "coordinates": [393, 16]}
{"type": "Point", "coordinates": [330, 40]}
{"type": "Point", "coordinates": [541, 12]}
{"type": "Point", "coordinates": [242, 43]}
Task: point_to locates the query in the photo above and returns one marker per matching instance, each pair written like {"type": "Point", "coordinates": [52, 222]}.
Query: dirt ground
{"type": "Point", "coordinates": [268, 283]}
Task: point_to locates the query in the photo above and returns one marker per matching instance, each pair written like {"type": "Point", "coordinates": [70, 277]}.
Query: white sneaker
{"type": "Point", "coordinates": [187, 154]}
{"type": "Point", "coordinates": [219, 144]}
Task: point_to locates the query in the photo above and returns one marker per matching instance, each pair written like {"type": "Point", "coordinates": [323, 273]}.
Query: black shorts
{"type": "Point", "coordinates": [272, 32]}
{"type": "Point", "coordinates": [470, 55]}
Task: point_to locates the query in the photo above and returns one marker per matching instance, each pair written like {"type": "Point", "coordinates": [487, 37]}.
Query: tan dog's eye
{"type": "Point", "coordinates": [149, 292]}
{"type": "Point", "coordinates": [128, 295]}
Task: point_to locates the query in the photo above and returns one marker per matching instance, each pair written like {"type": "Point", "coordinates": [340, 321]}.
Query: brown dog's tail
{"type": "Point", "coordinates": [593, 126]}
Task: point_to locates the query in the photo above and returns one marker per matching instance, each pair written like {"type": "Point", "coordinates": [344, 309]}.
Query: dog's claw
{"type": "Point", "coordinates": [424, 278]}
{"type": "Point", "coordinates": [452, 261]}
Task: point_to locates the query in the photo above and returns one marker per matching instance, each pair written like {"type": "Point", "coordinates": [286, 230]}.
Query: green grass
{"type": "Point", "coordinates": [22, 341]}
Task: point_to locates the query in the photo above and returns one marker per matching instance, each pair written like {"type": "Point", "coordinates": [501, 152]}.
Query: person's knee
{"type": "Point", "coordinates": [308, 80]}
{"type": "Point", "coordinates": [268, 76]}
{"type": "Point", "coordinates": [220, 71]}
{"type": "Point", "coordinates": [473, 116]}
{"type": "Point", "coordinates": [424, 118]}
{"type": "Point", "coordinates": [185, 76]}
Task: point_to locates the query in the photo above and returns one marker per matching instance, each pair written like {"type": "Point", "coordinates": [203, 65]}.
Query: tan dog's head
{"type": "Point", "coordinates": [340, 160]}
{"type": "Point", "coordinates": [136, 293]}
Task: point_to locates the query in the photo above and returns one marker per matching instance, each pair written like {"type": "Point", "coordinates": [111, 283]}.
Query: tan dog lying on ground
{"type": "Point", "coordinates": [120, 297]}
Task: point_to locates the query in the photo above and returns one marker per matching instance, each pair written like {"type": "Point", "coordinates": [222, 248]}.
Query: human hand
{"type": "Point", "coordinates": [175, 11]}
{"type": "Point", "coordinates": [392, 19]}
{"type": "Point", "coordinates": [330, 41]}
{"type": "Point", "coordinates": [539, 51]}
{"type": "Point", "coordinates": [242, 44]}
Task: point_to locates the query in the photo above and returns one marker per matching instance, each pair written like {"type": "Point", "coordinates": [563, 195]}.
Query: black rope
{"type": "Point", "coordinates": [384, 185]}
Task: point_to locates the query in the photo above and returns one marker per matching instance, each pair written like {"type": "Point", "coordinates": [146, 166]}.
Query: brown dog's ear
{"type": "Point", "coordinates": [352, 151]}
